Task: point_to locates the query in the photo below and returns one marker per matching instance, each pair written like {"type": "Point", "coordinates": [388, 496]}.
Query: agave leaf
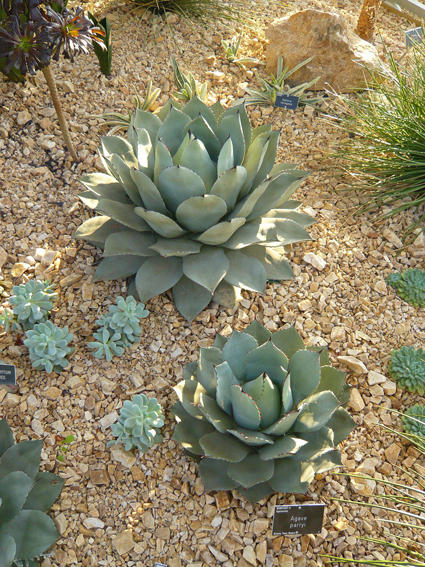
{"type": "Point", "coordinates": [151, 197]}
{"type": "Point", "coordinates": [326, 461]}
{"type": "Point", "coordinates": [245, 411]}
{"type": "Point", "coordinates": [198, 214]}
{"type": "Point", "coordinates": [157, 275]}
{"type": "Point", "coordinates": [278, 190]}
{"type": "Point", "coordinates": [228, 185]}
{"type": "Point", "coordinates": [268, 158]}
{"type": "Point", "coordinates": [196, 107]}
{"type": "Point", "coordinates": [281, 448]}
{"type": "Point", "coordinates": [245, 271]}
{"type": "Point", "coordinates": [316, 442]}
{"type": "Point", "coordinates": [177, 183]}
{"type": "Point", "coordinates": [7, 551]}
{"type": "Point", "coordinates": [161, 224]}
{"type": "Point", "coordinates": [288, 340]}
{"type": "Point", "coordinates": [215, 415]}
{"type": "Point", "coordinates": [143, 148]}
{"type": "Point", "coordinates": [214, 476]}
{"type": "Point", "coordinates": [122, 213]}
{"type": "Point", "coordinates": [111, 145]}
{"type": "Point", "coordinates": [97, 229]}
{"type": "Point", "coordinates": [273, 260]}
{"type": "Point", "coordinates": [291, 476]}
{"type": "Point", "coordinates": [163, 160]}
{"type": "Point", "coordinates": [226, 158]}
{"type": "Point", "coordinates": [333, 380]}
{"type": "Point", "coordinates": [6, 436]}
{"type": "Point", "coordinates": [178, 155]}
{"type": "Point", "coordinates": [208, 359]}
{"type": "Point", "coordinates": [224, 447]}
{"type": "Point", "coordinates": [251, 471]}
{"type": "Point", "coordinates": [25, 457]}
{"type": "Point", "coordinates": [190, 370]}
{"type": "Point", "coordinates": [14, 489]}
{"type": "Point", "coordinates": [288, 231]}
{"type": "Point", "coordinates": [173, 129]}
{"type": "Point", "coordinates": [225, 380]}
{"type": "Point", "coordinates": [251, 438]}
{"type": "Point", "coordinates": [207, 268]}
{"type": "Point", "coordinates": [148, 121]}
{"type": "Point", "coordinates": [287, 399]}
{"type": "Point", "coordinates": [219, 341]}
{"type": "Point", "coordinates": [129, 242]}
{"type": "Point", "coordinates": [247, 204]}
{"type": "Point", "coordinates": [231, 125]}
{"type": "Point", "coordinates": [253, 160]}
{"type": "Point", "coordinates": [257, 492]}
{"type": "Point", "coordinates": [189, 431]}
{"type": "Point", "coordinates": [240, 109]}
{"type": "Point", "coordinates": [226, 294]}
{"type": "Point", "coordinates": [260, 333]}
{"type": "Point", "coordinates": [188, 392]}
{"type": "Point", "coordinates": [283, 425]}
{"type": "Point", "coordinates": [267, 397]}
{"type": "Point", "coordinates": [122, 172]}
{"type": "Point", "coordinates": [175, 247]}
{"type": "Point", "coordinates": [323, 354]}
{"type": "Point", "coordinates": [235, 351]}
{"type": "Point", "coordinates": [264, 128]}
{"type": "Point", "coordinates": [196, 158]}
{"type": "Point", "coordinates": [221, 232]}
{"type": "Point", "coordinates": [45, 491]}
{"type": "Point", "coordinates": [117, 267]}
{"type": "Point", "coordinates": [105, 186]}
{"type": "Point", "coordinates": [269, 359]}
{"type": "Point", "coordinates": [300, 218]}
{"type": "Point", "coordinates": [304, 368]}
{"type": "Point", "coordinates": [218, 110]}
{"type": "Point", "coordinates": [316, 412]}
{"type": "Point", "coordinates": [341, 424]}
{"type": "Point", "coordinates": [200, 128]}
{"type": "Point", "coordinates": [190, 298]}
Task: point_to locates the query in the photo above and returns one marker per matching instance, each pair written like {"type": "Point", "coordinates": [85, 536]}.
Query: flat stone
{"type": "Point", "coordinates": [389, 387]}
{"type": "Point", "coordinates": [261, 551]}
{"type": "Point", "coordinates": [61, 523]}
{"type": "Point", "coordinates": [23, 117]}
{"type": "Point", "coordinates": [126, 458]}
{"type": "Point", "coordinates": [123, 542]}
{"type": "Point", "coordinates": [392, 453]}
{"type": "Point", "coordinates": [108, 420]}
{"type": "Point", "coordinates": [375, 378]}
{"type": "Point", "coordinates": [316, 261]}
{"type": "Point", "coordinates": [356, 401]}
{"type": "Point", "coordinates": [364, 487]}
{"type": "Point", "coordinates": [249, 555]}
{"type": "Point", "coordinates": [260, 525]}
{"type": "Point", "coordinates": [368, 466]}
{"type": "Point", "coordinates": [304, 305]}
{"type": "Point", "coordinates": [19, 268]}
{"type": "Point", "coordinates": [338, 334]}
{"type": "Point", "coordinates": [353, 363]}
{"type": "Point", "coordinates": [3, 257]}
{"type": "Point", "coordinates": [99, 476]}
{"type": "Point", "coordinates": [392, 238]}
{"type": "Point", "coordinates": [52, 393]}
{"type": "Point", "coordinates": [286, 561]}
{"type": "Point", "coordinates": [93, 523]}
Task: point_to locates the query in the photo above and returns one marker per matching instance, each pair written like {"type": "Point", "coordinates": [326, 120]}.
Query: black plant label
{"type": "Point", "coordinates": [298, 519]}
{"type": "Point", "coordinates": [413, 36]}
{"type": "Point", "coordinates": [290, 102]}
{"type": "Point", "coordinates": [7, 375]}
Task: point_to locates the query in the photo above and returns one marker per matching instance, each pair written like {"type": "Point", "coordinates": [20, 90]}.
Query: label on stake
{"type": "Point", "coordinates": [7, 374]}
{"type": "Point", "coordinates": [297, 519]}
{"type": "Point", "coordinates": [415, 35]}
{"type": "Point", "coordinates": [290, 102]}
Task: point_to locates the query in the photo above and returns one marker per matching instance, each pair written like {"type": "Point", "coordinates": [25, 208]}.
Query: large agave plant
{"type": "Point", "coordinates": [191, 201]}
{"type": "Point", "coordinates": [263, 411]}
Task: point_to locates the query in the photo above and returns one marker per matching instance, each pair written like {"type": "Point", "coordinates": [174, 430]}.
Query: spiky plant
{"type": "Point", "coordinates": [48, 346]}
{"type": "Point", "coordinates": [231, 50]}
{"type": "Point", "coordinates": [409, 285]}
{"type": "Point", "coordinates": [187, 86]}
{"type": "Point", "coordinates": [26, 531]}
{"type": "Point", "coordinates": [139, 423]}
{"type": "Point", "coordinates": [407, 367]}
{"type": "Point", "coordinates": [192, 202]}
{"type": "Point", "coordinates": [263, 412]}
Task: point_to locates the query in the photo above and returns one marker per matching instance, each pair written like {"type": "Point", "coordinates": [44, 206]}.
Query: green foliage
{"type": "Point", "coordinates": [231, 49]}
{"type": "Point", "coordinates": [187, 86]}
{"type": "Point", "coordinates": [407, 367]}
{"type": "Point", "coordinates": [8, 321]}
{"type": "Point", "coordinates": [26, 531]}
{"type": "Point", "coordinates": [277, 84]}
{"type": "Point", "coordinates": [409, 285]}
{"type": "Point", "coordinates": [414, 420]}
{"type": "Point", "coordinates": [384, 154]}
{"type": "Point", "coordinates": [63, 447]}
{"type": "Point", "coordinates": [193, 203]}
{"type": "Point", "coordinates": [32, 302]}
{"type": "Point", "coordinates": [119, 328]}
{"type": "Point", "coordinates": [138, 423]}
{"type": "Point", "coordinates": [263, 412]}
{"type": "Point", "coordinates": [48, 346]}
{"type": "Point", "coordinates": [104, 52]}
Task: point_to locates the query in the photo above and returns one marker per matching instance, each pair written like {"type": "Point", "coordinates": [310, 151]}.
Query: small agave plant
{"type": "Point", "coordinates": [138, 424]}
{"type": "Point", "coordinates": [263, 412]}
{"type": "Point", "coordinates": [192, 202]}
{"type": "Point", "coordinates": [26, 531]}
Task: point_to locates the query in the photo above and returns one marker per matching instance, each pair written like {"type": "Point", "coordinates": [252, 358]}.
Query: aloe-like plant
{"type": "Point", "coordinates": [193, 203]}
{"type": "Point", "coordinates": [139, 423]}
{"type": "Point", "coordinates": [26, 531]}
{"type": "Point", "coordinates": [407, 367]}
{"type": "Point", "coordinates": [187, 86]}
{"type": "Point", "coordinates": [409, 285]}
{"type": "Point", "coordinates": [48, 346]}
{"type": "Point", "coordinates": [262, 411]}
{"type": "Point", "coordinates": [275, 85]}
{"type": "Point", "coordinates": [231, 50]}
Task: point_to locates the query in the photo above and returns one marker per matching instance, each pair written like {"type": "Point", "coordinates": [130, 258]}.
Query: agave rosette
{"type": "Point", "coordinates": [192, 202]}
{"type": "Point", "coordinates": [263, 412]}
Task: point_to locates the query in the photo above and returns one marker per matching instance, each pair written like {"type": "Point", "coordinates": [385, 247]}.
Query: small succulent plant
{"type": "Point", "coordinates": [414, 420]}
{"type": "Point", "coordinates": [263, 412]}
{"type": "Point", "coordinates": [409, 285]}
{"type": "Point", "coordinates": [138, 423]}
{"type": "Point", "coordinates": [32, 302]}
{"type": "Point", "coordinates": [407, 367]}
{"type": "Point", "coordinates": [26, 531]}
{"type": "Point", "coordinates": [48, 346]}
{"type": "Point", "coordinates": [187, 86]}
{"type": "Point", "coordinates": [119, 328]}
{"type": "Point", "coordinates": [8, 321]}
{"type": "Point", "coordinates": [231, 50]}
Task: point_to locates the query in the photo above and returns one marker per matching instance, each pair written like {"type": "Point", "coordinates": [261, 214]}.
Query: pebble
{"type": "Point", "coordinates": [19, 268]}
{"type": "Point", "coordinates": [286, 561]}
{"type": "Point", "coordinates": [61, 523]}
{"type": "Point", "coordinates": [338, 334]}
{"type": "Point", "coordinates": [123, 542]}
{"type": "Point", "coordinates": [249, 555]}
{"type": "Point", "coordinates": [389, 387]}
{"type": "Point", "coordinates": [375, 378]}
{"type": "Point", "coordinates": [356, 401]}
{"type": "Point", "coordinates": [354, 364]}
{"type": "Point", "coordinates": [93, 523]}
{"type": "Point", "coordinates": [3, 257]}
{"type": "Point", "coordinates": [99, 476]}
{"type": "Point", "coordinates": [108, 419]}
{"type": "Point", "coordinates": [392, 453]}
{"type": "Point", "coordinates": [126, 458]}
{"type": "Point", "coordinates": [23, 117]}
{"type": "Point", "coordinates": [316, 261]}
{"type": "Point", "coordinates": [304, 305]}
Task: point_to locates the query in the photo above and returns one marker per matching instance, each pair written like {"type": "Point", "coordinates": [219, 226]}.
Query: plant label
{"type": "Point", "coordinates": [413, 36]}
{"type": "Point", "coordinates": [7, 375]}
{"type": "Point", "coordinates": [289, 102]}
{"type": "Point", "coordinates": [298, 519]}
{"type": "Point", "coordinates": [159, 565]}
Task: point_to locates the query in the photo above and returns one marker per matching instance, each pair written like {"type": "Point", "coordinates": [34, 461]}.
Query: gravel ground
{"type": "Point", "coordinates": [116, 509]}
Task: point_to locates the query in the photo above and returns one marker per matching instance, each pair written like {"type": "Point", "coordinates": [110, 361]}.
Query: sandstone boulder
{"type": "Point", "coordinates": [339, 55]}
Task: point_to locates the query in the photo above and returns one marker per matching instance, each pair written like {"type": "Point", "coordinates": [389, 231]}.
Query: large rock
{"type": "Point", "coordinates": [339, 55]}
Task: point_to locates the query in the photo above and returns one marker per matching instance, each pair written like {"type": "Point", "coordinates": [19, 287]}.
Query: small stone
{"type": "Point", "coordinates": [137, 474]}
{"type": "Point", "coordinates": [261, 552]}
{"type": "Point", "coordinates": [356, 401]}
{"type": "Point", "coordinates": [47, 144]}
{"type": "Point", "coordinates": [375, 378]}
{"type": "Point", "coordinates": [316, 261]}
{"type": "Point", "coordinates": [249, 555]}
{"type": "Point", "coordinates": [286, 561]}
{"type": "Point", "coordinates": [338, 334]}
{"type": "Point", "coordinates": [93, 523]}
{"type": "Point", "coordinates": [364, 487]}
{"type": "Point", "coordinates": [48, 257]}
{"type": "Point", "coordinates": [222, 499]}
{"type": "Point", "coordinates": [389, 387]}
{"type": "Point", "coordinates": [376, 391]}
{"type": "Point", "coordinates": [37, 427]}
{"type": "Point", "coordinates": [12, 400]}
{"type": "Point", "coordinates": [354, 364]}
{"type": "Point", "coordinates": [23, 117]}
{"type": "Point", "coordinates": [70, 280]}
{"type": "Point", "coordinates": [260, 525]}
{"type": "Point", "coordinates": [126, 458]}
{"type": "Point", "coordinates": [108, 420]}
{"type": "Point", "coordinates": [392, 453]}
{"type": "Point", "coordinates": [19, 268]}
{"type": "Point", "coordinates": [87, 291]}
{"type": "Point", "coordinates": [221, 557]}
{"type": "Point", "coordinates": [52, 393]}
{"type": "Point", "coordinates": [3, 257]}
{"type": "Point", "coordinates": [123, 542]}
{"type": "Point", "coordinates": [368, 466]}
{"type": "Point", "coordinates": [61, 523]}
{"type": "Point", "coordinates": [392, 238]}
{"type": "Point", "coordinates": [381, 287]}
{"type": "Point", "coordinates": [99, 476]}
{"type": "Point", "coordinates": [148, 520]}
{"type": "Point", "coordinates": [304, 305]}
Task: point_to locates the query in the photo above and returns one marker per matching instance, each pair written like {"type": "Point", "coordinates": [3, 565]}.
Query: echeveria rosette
{"type": "Point", "coordinates": [263, 412]}
{"type": "Point", "coordinates": [407, 367]}
{"type": "Point", "coordinates": [32, 302]}
{"type": "Point", "coordinates": [414, 420]}
{"type": "Point", "coordinates": [25, 496]}
{"type": "Point", "coordinates": [48, 346]}
{"type": "Point", "coordinates": [138, 423]}
{"type": "Point", "coordinates": [409, 285]}
{"type": "Point", "coordinates": [192, 202]}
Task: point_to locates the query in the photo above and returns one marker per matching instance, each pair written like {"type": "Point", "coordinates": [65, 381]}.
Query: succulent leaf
{"type": "Point", "coordinates": [281, 448]}
{"type": "Point", "coordinates": [235, 351]}
{"type": "Point", "coordinates": [118, 267]}
{"type": "Point", "coordinates": [48, 346]}
{"type": "Point", "coordinates": [409, 285]}
{"type": "Point", "coordinates": [157, 275]}
{"type": "Point", "coordinates": [245, 411]}
{"type": "Point", "coordinates": [304, 369]}
{"type": "Point", "coordinates": [291, 475]}
{"type": "Point", "coordinates": [413, 421]}
{"type": "Point", "coordinates": [14, 489]}
{"type": "Point", "coordinates": [190, 298]}
{"type": "Point", "coordinates": [214, 414]}
{"type": "Point", "coordinates": [251, 471]}
{"type": "Point", "coordinates": [214, 475]}
{"type": "Point", "coordinates": [269, 359]}
{"type": "Point", "coordinates": [129, 242]}
{"type": "Point", "coordinates": [407, 367]}
{"type": "Point", "coordinates": [225, 380]}
{"type": "Point", "coordinates": [223, 447]}
{"type": "Point", "coordinates": [32, 302]}
{"type": "Point", "coordinates": [316, 411]}
{"type": "Point", "coordinates": [207, 268]}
